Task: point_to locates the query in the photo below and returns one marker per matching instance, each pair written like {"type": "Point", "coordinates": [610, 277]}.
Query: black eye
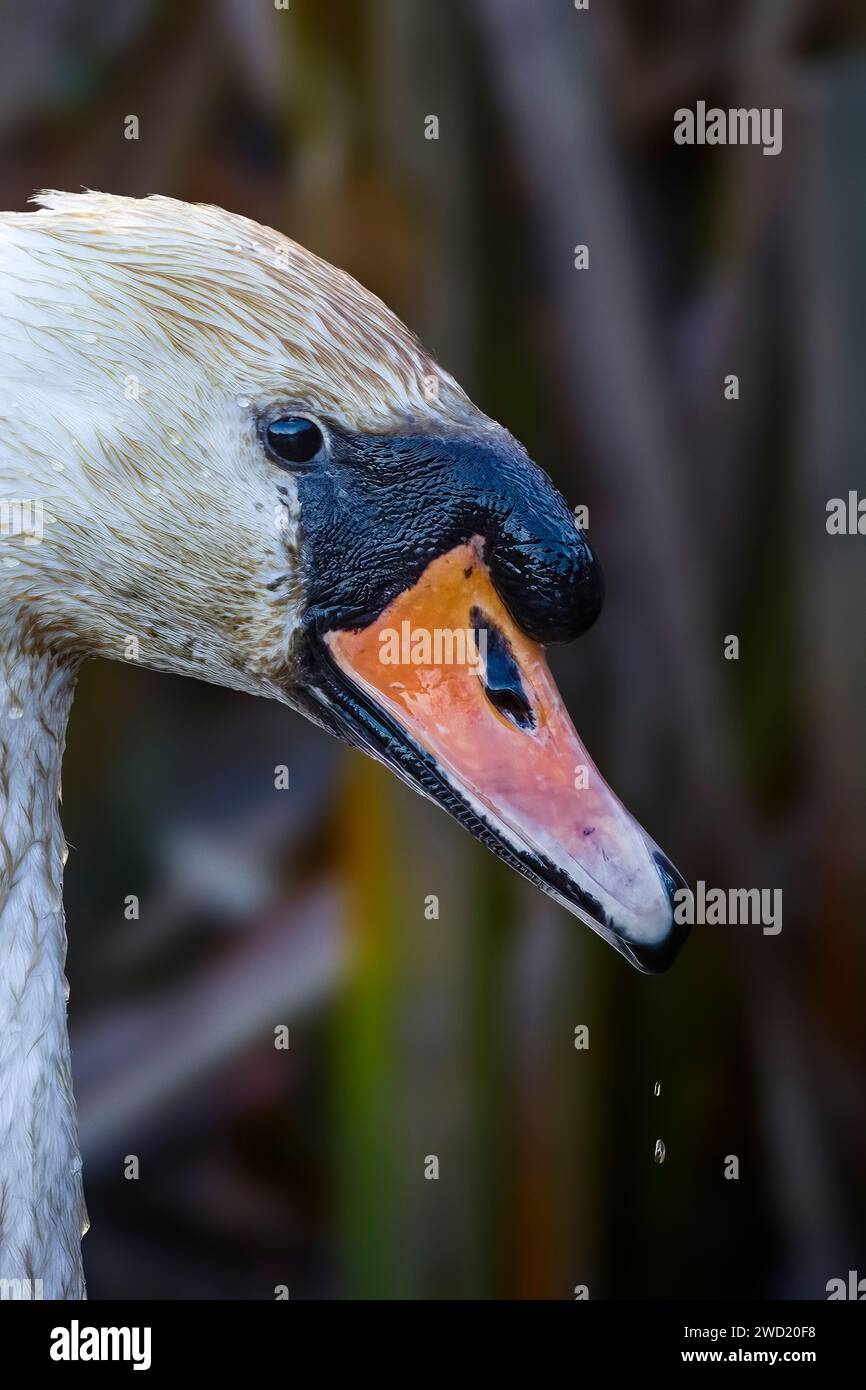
{"type": "Point", "coordinates": [292, 439]}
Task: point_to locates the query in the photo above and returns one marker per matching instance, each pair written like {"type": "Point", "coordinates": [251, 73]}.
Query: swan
{"type": "Point", "coordinates": [222, 457]}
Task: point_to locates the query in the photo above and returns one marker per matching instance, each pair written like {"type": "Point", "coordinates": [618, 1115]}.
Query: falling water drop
{"type": "Point", "coordinates": [657, 1089]}
{"type": "Point", "coordinates": [659, 1154]}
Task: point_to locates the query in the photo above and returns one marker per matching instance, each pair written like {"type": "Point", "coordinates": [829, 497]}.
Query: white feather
{"type": "Point", "coordinates": [138, 342]}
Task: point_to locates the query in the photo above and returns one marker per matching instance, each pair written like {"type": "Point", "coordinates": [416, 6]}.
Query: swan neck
{"type": "Point", "coordinates": [42, 1215]}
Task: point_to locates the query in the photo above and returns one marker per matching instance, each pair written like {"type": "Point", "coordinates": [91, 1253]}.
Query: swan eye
{"type": "Point", "coordinates": [293, 439]}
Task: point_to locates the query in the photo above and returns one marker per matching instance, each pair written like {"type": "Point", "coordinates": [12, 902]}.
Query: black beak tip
{"type": "Point", "coordinates": [656, 957]}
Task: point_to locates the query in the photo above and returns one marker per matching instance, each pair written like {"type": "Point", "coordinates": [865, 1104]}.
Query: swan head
{"type": "Point", "coordinates": [246, 469]}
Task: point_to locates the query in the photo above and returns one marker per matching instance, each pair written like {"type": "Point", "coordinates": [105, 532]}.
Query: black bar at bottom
{"type": "Point", "coordinates": [229, 1338]}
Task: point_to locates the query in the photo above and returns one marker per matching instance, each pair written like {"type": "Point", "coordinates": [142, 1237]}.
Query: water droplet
{"type": "Point", "coordinates": [10, 563]}
{"type": "Point", "coordinates": [657, 1089]}
{"type": "Point", "coordinates": [659, 1154]}
{"type": "Point", "coordinates": [89, 338]}
{"type": "Point", "coordinates": [243, 401]}
{"type": "Point", "coordinates": [154, 490]}
{"type": "Point", "coordinates": [58, 466]}
{"type": "Point", "coordinates": [16, 711]}
{"type": "Point", "coordinates": [174, 437]}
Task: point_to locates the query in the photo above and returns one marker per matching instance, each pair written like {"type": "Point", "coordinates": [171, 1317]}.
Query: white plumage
{"type": "Point", "coordinates": [144, 348]}
{"type": "Point", "coordinates": [137, 341]}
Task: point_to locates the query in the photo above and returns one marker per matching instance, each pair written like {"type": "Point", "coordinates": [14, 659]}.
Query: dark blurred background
{"type": "Point", "coordinates": [408, 1037]}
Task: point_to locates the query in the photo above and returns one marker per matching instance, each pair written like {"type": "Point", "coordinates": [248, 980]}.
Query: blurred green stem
{"type": "Point", "coordinates": [365, 1050]}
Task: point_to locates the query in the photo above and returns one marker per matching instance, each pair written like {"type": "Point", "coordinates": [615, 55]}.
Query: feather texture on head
{"type": "Point", "coordinates": [221, 457]}
{"type": "Point", "coordinates": [139, 340]}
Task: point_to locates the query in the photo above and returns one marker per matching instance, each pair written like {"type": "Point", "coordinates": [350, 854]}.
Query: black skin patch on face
{"type": "Point", "coordinates": [379, 508]}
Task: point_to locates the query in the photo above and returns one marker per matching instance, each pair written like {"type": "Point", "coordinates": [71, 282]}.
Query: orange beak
{"type": "Point", "coordinates": [452, 695]}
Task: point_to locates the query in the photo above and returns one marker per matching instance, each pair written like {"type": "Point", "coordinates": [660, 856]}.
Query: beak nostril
{"type": "Point", "coordinates": [501, 678]}
{"type": "Point", "coordinates": [513, 705]}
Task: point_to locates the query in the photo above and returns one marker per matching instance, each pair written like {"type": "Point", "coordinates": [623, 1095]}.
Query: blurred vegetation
{"type": "Point", "coordinates": [454, 1037]}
